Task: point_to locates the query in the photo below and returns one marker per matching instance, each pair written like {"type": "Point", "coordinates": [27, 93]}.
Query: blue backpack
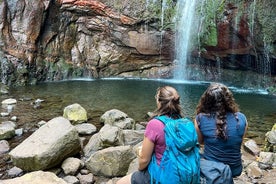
{"type": "Point", "coordinates": [180, 162]}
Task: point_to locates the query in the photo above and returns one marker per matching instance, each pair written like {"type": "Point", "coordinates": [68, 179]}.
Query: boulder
{"type": "Point", "coordinates": [106, 137]}
{"type": "Point", "coordinates": [111, 162]}
{"type": "Point", "coordinates": [7, 130]}
{"type": "Point", "coordinates": [48, 146]}
{"type": "Point", "coordinates": [75, 113]}
{"type": "Point", "coordinates": [117, 118]}
{"type": "Point", "coordinates": [37, 177]}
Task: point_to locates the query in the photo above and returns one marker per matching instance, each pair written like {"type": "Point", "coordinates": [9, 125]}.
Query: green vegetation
{"type": "Point", "coordinates": [265, 13]}
{"type": "Point", "coordinates": [162, 11]}
{"type": "Point", "coordinates": [210, 12]}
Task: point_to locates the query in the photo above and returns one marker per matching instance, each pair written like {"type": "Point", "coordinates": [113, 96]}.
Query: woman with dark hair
{"type": "Point", "coordinates": [168, 103]}
{"type": "Point", "coordinates": [221, 127]}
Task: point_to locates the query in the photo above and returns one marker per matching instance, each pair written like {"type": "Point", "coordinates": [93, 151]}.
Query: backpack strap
{"type": "Point", "coordinates": [162, 118]}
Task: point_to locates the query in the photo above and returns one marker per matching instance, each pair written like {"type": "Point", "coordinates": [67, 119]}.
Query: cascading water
{"type": "Point", "coordinates": [185, 16]}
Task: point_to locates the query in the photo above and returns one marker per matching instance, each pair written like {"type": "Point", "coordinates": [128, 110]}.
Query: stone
{"type": "Point", "coordinates": [75, 113]}
{"type": "Point", "coordinates": [9, 101]}
{"type": "Point", "coordinates": [4, 146]}
{"type": "Point", "coordinates": [48, 146]}
{"type": "Point", "coordinates": [117, 118]}
{"type": "Point", "coordinates": [7, 130]}
{"type": "Point", "coordinates": [86, 128]}
{"type": "Point", "coordinates": [86, 179]}
{"type": "Point", "coordinates": [111, 162]}
{"type": "Point", "coordinates": [36, 177]}
{"type": "Point", "coordinates": [252, 147]}
{"type": "Point", "coordinates": [71, 179]}
{"type": "Point", "coordinates": [14, 172]}
{"type": "Point", "coordinates": [70, 166]}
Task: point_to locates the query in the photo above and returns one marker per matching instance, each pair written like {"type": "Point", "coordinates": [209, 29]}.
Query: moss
{"type": "Point", "coordinates": [210, 12]}
{"type": "Point", "coordinates": [212, 38]}
{"type": "Point", "coordinates": [266, 15]}
{"type": "Point", "coordinates": [162, 12]}
{"type": "Point", "coordinates": [272, 90]}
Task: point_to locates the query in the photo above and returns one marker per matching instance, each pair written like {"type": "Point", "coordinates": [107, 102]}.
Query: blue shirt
{"type": "Point", "coordinates": [216, 149]}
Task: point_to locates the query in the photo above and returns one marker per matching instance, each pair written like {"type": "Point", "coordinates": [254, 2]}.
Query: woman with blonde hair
{"type": "Point", "coordinates": [221, 127]}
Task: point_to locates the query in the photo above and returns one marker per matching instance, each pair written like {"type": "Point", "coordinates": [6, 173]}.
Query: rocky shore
{"type": "Point", "coordinates": [69, 150]}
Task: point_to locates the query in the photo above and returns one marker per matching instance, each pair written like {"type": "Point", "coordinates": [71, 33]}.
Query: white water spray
{"type": "Point", "coordinates": [185, 15]}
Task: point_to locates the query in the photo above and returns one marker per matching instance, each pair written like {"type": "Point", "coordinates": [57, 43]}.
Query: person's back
{"type": "Point", "coordinates": [225, 151]}
{"type": "Point", "coordinates": [221, 127]}
{"type": "Point", "coordinates": [154, 142]}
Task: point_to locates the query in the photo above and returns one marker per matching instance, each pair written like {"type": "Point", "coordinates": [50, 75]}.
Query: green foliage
{"type": "Point", "coordinates": [163, 12]}
{"type": "Point", "coordinates": [265, 13]}
{"type": "Point", "coordinates": [272, 90]}
{"type": "Point", "coordinates": [210, 12]}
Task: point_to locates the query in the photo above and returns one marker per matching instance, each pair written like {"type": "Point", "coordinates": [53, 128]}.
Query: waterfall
{"type": "Point", "coordinates": [185, 15]}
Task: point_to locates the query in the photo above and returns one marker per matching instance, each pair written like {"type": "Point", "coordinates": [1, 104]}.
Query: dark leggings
{"type": "Point", "coordinates": [140, 177]}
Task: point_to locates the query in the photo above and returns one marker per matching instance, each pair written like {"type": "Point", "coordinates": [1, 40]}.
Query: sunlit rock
{"type": "Point", "coordinates": [75, 113]}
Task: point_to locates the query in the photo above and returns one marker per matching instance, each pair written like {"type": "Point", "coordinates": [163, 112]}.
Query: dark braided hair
{"type": "Point", "coordinates": [217, 101]}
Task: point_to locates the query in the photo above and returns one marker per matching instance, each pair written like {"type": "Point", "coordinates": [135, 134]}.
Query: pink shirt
{"type": "Point", "coordinates": [155, 133]}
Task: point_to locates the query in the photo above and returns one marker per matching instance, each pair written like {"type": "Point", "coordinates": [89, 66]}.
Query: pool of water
{"type": "Point", "coordinates": [132, 96]}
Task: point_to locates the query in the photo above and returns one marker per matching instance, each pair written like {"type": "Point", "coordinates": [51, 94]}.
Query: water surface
{"type": "Point", "coordinates": [134, 97]}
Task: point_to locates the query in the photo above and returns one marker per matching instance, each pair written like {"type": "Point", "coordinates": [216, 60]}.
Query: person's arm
{"type": "Point", "coordinates": [145, 153]}
{"type": "Point", "coordinates": [199, 134]}
{"type": "Point", "coordinates": [245, 130]}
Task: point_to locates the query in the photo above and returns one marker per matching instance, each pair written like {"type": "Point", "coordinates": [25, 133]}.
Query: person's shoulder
{"type": "Point", "coordinates": [155, 122]}
{"type": "Point", "coordinates": [242, 118]}
{"type": "Point", "coordinates": [240, 114]}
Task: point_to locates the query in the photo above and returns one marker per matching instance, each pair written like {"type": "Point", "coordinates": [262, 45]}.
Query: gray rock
{"type": "Point", "coordinates": [111, 162]}
{"type": "Point", "coordinates": [71, 179]}
{"type": "Point", "coordinates": [4, 146]}
{"type": "Point", "coordinates": [37, 177]}
{"type": "Point", "coordinates": [48, 146]}
{"type": "Point", "coordinates": [14, 172]}
{"type": "Point", "coordinates": [86, 128]}
{"type": "Point", "coordinates": [86, 179]}
{"type": "Point", "coordinates": [251, 147]}
{"type": "Point", "coordinates": [7, 130]}
{"type": "Point", "coordinates": [117, 118]}
{"type": "Point", "coordinates": [9, 101]}
{"type": "Point", "coordinates": [70, 166]}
